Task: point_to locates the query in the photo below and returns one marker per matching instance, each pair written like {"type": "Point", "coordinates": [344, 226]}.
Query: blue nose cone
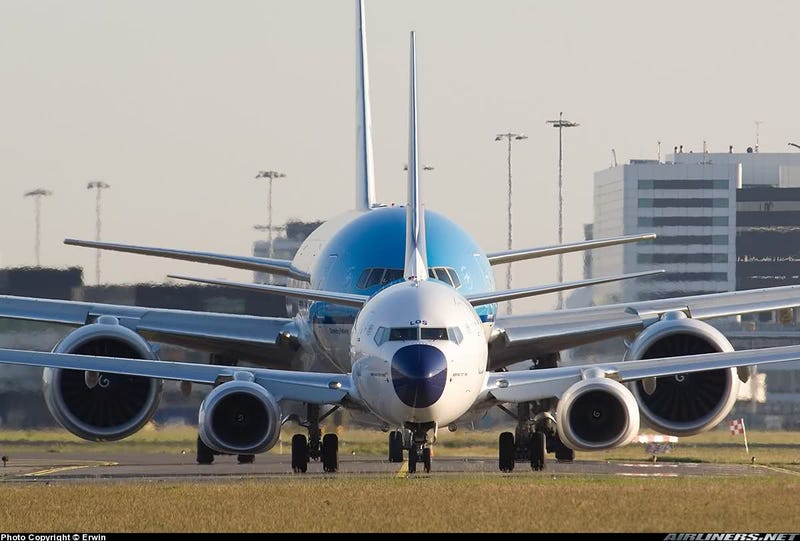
{"type": "Point", "coordinates": [419, 374]}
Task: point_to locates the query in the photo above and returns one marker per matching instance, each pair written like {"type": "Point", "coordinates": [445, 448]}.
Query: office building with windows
{"type": "Point", "coordinates": [692, 209]}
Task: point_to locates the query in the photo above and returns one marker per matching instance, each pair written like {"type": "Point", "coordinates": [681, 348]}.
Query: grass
{"type": "Point", "coordinates": [768, 447]}
{"type": "Point", "coordinates": [513, 503]}
{"type": "Point", "coordinates": [519, 502]}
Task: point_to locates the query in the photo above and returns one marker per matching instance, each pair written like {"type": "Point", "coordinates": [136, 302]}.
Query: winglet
{"type": "Point", "coordinates": [416, 258]}
{"type": "Point", "coordinates": [365, 173]}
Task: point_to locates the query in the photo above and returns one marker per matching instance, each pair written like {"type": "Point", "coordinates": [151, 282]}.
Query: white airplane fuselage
{"type": "Point", "coordinates": [418, 353]}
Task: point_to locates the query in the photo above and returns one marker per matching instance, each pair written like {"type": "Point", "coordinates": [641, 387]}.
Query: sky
{"type": "Point", "coordinates": [178, 104]}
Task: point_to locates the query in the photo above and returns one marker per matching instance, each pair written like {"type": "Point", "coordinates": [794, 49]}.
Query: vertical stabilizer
{"type": "Point", "coordinates": [416, 260]}
{"type": "Point", "coordinates": [365, 181]}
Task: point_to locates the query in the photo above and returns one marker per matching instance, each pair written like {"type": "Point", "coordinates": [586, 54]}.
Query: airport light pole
{"type": "Point", "coordinates": [269, 175]}
{"type": "Point", "coordinates": [560, 124]}
{"type": "Point", "coordinates": [98, 185]}
{"type": "Point", "coordinates": [510, 137]}
{"type": "Point", "coordinates": [37, 195]}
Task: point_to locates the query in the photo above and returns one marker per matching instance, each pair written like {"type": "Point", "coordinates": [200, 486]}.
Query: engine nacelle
{"type": "Point", "coordinates": [99, 406]}
{"type": "Point", "coordinates": [597, 413]}
{"type": "Point", "coordinates": [240, 417]}
{"type": "Point", "coordinates": [683, 404]}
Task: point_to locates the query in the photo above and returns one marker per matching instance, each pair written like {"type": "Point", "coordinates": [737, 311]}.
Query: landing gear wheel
{"type": "Point", "coordinates": [330, 453]}
{"type": "Point", "coordinates": [507, 452]}
{"type": "Point", "coordinates": [426, 459]}
{"type": "Point", "coordinates": [395, 446]}
{"type": "Point", "coordinates": [565, 454]}
{"type": "Point", "coordinates": [413, 458]}
{"type": "Point", "coordinates": [246, 459]}
{"type": "Point", "coordinates": [205, 455]}
{"type": "Point", "coordinates": [538, 450]}
{"type": "Point", "coordinates": [299, 453]}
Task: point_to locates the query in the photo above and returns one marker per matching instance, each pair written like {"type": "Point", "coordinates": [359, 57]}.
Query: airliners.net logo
{"type": "Point", "coordinates": [731, 537]}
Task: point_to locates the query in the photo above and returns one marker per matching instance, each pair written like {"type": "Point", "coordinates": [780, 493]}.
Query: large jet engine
{"type": "Point", "coordinates": [597, 413]}
{"type": "Point", "coordinates": [683, 404]}
{"type": "Point", "coordinates": [98, 406]}
{"type": "Point", "coordinates": [240, 417]}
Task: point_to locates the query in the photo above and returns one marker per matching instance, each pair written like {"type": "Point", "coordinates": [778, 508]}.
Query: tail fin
{"type": "Point", "coordinates": [365, 182]}
{"type": "Point", "coordinates": [416, 257]}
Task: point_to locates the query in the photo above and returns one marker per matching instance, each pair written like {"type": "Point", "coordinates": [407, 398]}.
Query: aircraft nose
{"type": "Point", "coordinates": [419, 374]}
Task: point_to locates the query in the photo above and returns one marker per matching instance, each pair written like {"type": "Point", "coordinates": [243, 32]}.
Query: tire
{"type": "Point", "coordinates": [330, 453]}
{"type": "Point", "coordinates": [506, 452]}
{"type": "Point", "coordinates": [538, 450]}
{"type": "Point", "coordinates": [395, 446]}
{"type": "Point", "coordinates": [299, 453]}
{"type": "Point", "coordinates": [205, 455]}
{"type": "Point", "coordinates": [413, 457]}
{"type": "Point", "coordinates": [426, 459]}
{"type": "Point", "coordinates": [565, 454]}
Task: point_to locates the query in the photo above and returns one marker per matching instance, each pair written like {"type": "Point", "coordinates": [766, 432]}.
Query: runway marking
{"type": "Point", "coordinates": [648, 474]}
{"type": "Point", "coordinates": [777, 469]}
{"type": "Point", "coordinates": [402, 473]}
{"type": "Point", "coordinates": [59, 469]}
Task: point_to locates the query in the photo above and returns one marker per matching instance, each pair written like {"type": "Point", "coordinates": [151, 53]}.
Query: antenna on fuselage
{"type": "Point", "coordinates": [416, 258]}
{"type": "Point", "coordinates": [365, 171]}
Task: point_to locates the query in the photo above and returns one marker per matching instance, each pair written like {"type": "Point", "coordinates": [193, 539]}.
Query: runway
{"type": "Point", "coordinates": [44, 467]}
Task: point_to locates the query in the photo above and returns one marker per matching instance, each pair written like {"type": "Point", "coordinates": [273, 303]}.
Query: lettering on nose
{"type": "Point", "coordinates": [419, 374]}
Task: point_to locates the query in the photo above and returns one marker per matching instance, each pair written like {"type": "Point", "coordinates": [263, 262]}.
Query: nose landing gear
{"type": "Point", "coordinates": [417, 443]}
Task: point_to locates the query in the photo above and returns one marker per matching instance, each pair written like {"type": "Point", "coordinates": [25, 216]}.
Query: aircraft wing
{"type": "Point", "coordinates": [272, 341]}
{"type": "Point", "coordinates": [496, 258]}
{"type": "Point", "coordinates": [282, 267]}
{"type": "Point", "coordinates": [527, 385]}
{"type": "Point", "coordinates": [518, 338]}
{"type": "Point", "coordinates": [310, 387]}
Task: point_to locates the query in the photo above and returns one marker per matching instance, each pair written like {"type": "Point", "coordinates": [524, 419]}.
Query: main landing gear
{"type": "Point", "coordinates": [535, 434]}
{"type": "Point", "coordinates": [416, 441]}
{"type": "Point", "coordinates": [534, 437]}
{"type": "Point", "coordinates": [205, 454]}
{"type": "Point", "coordinates": [315, 446]}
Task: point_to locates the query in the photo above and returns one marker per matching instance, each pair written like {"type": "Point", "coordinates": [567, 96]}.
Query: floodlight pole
{"type": "Point", "coordinates": [37, 195]}
{"type": "Point", "coordinates": [510, 137]}
{"type": "Point", "coordinates": [98, 185]}
{"type": "Point", "coordinates": [561, 123]}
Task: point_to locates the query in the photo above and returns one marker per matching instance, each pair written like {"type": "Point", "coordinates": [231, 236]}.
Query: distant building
{"type": "Point", "coordinates": [691, 208]}
{"type": "Point", "coordinates": [767, 237]}
{"type": "Point", "coordinates": [44, 282]}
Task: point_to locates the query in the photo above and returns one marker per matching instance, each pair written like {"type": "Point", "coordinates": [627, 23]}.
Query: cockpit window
{"type": "Point", "coordinates": [404, 333]}
{"type": "Point", "coordinates": [381, 335]}
{"type": "Point", "coordinates": [453, 334]}
{"type": "Point", "coordinates": [390, 275]}
{"type": "Point", "coordinates": [380, 276]}
{"type": "Point", "coordinates": [433, 333]}
{"type": "Point", "coordinates": [454, 281]}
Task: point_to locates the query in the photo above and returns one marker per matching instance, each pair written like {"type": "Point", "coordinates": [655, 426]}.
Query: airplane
{"type": "Point", "coordinates": [396, 320]}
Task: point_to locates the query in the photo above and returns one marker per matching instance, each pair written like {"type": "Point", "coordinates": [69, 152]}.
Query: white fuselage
{"type": "Point", "coordinates": [418, 353]}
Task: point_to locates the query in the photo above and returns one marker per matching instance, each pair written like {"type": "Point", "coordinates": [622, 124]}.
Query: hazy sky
{"type": "Point", "coordinates": [177, 104]}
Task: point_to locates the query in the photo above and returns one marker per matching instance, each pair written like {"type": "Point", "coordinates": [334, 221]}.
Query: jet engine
{"type": "Point", "coordinates": [597, 413]}
{"type": "Point", "coordinates": [240, 417]}
{"type": "Point", "coordinates": [683, 404]}
{"type": "Point", "coordinates": [97, 406]}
